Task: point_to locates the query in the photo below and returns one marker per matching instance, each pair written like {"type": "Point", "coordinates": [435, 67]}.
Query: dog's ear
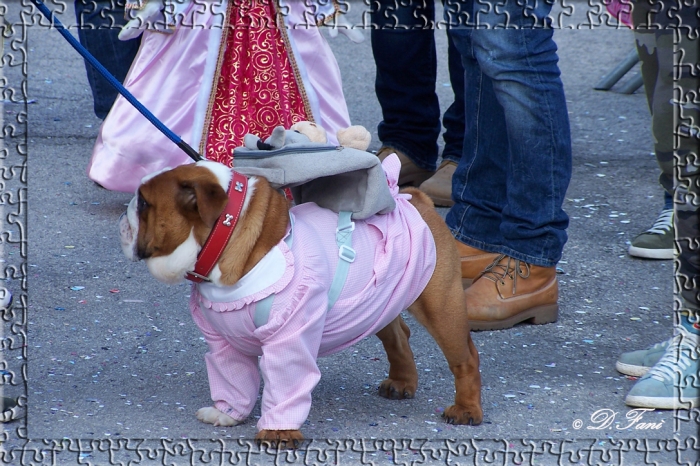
{"type": "Point", "coordinates": [203, 198]}
{"type": "Point", "coordinates": [276, 139]}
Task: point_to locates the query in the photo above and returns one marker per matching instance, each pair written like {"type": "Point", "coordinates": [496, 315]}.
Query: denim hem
{"type": "Point", "coordinates": [500, 249]}
{"type": "Point", "coordinates": [451, 158]}
{"type": "Point", "coordinates": [411, 154]}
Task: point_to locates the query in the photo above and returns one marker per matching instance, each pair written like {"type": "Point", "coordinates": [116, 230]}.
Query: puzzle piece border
{"type": "Point", "coordinates": [13, 178]}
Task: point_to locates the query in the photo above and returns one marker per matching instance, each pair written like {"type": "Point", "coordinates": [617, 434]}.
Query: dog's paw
{"type": "Point", "coordinates": [281, 438]}
{"type": "Point", "coordinates": [456, 414]}
{"type": "Point", "coordinates": [397, 389]}
{"type": "Point", "coordinates": [211, 415]}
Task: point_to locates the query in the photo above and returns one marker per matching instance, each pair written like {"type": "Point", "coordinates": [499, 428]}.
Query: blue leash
{"type": "Point", "coordinates": [116, 84]}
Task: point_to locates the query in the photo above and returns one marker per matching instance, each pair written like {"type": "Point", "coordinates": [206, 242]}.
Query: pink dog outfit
{"type": "Point", "coordinates": [395, 258]}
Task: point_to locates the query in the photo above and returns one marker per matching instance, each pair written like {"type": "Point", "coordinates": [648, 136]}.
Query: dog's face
{"type": "Point", "coordinates": [171, 215]}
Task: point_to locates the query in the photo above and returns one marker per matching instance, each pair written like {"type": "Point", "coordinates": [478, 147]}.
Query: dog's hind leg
{"type": "Point", "coordinates": [445, 317]}
{"type": "Point", "coordinates": [442, 310]}
{"type": "Point", "coordinates": [403, 376]}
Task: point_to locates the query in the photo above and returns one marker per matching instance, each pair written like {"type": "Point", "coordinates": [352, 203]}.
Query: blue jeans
{"type": "Point", "coordinates": [403, 45]}
{"type": "Point", "coordinates": [510, 183]}
{"type": "Point", "coordinates": [99, 24]}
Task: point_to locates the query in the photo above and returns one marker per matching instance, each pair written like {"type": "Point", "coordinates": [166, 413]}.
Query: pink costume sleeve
{"type": "Point", "coordinates": [288, 364]}
{"type": "Point", "coordinates": [170, 76]}
{"type": "Point", "coordinates": [234, 380]}
{"type": "Point", "coordinates": [317, 66]}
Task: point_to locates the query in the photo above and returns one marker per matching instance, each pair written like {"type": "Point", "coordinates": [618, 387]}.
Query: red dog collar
{"type": "Point", "coordinates": [221, 233]}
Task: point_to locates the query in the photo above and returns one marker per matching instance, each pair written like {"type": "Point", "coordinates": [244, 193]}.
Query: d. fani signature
{"type": "Point", "coordinates": [604, 419]}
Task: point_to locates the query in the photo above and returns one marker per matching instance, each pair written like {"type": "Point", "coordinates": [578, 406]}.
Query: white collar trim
{"type": "Point", "coordinates": [266, 273]}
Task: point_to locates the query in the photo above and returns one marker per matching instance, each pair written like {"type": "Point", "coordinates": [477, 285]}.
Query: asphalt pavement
{"type": "Point", "coordinates": [114, 364]}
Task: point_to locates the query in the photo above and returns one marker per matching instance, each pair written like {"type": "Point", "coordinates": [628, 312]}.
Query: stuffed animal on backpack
{"type": "Point", "coordinates": [355, 136]}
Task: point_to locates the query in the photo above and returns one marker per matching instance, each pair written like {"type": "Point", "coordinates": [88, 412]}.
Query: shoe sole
{"type": "Point", "coordinates": [630, 369]}
{"type": "Point", "coordinates": [7, 308]}
{"type": "Point", "coordinates": [538, 315]}
{"type": "Point", "coordinates": [655, 402]}
{"type": "Point", "coordinates": [11, 415]}
{"type": "Point", "coordinates": [441, 201]}
{"type": "Point", "coordinates": [650, 253]}
{"type": "Point", "coordinates": [414, 180]}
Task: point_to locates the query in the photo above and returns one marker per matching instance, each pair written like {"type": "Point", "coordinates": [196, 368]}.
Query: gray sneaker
{"type": "Point", "coordinates": [637, 363]}
{"type": "Point", "coordinates": [673, 381]}
{"type": "Point", "coordinates": [11, 410]}
{"type": "Point", "coordinates": [657, 241]}
{"type": "Point", "coordinates": [5, 301]}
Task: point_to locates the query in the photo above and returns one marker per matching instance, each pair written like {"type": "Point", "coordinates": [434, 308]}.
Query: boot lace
{"type": "Point", "coordinates": [499, 272]}
{"type": "Point", "coordinates": [663, 224]}
{"type": "Point", "coordinates": [677, 356]}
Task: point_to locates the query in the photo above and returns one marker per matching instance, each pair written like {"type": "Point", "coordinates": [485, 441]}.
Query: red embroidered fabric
{"type": "Point", "coordinates": [257, 89]}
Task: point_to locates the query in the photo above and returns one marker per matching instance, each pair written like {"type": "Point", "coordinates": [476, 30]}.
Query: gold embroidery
{"type": "Point", "coordinates": [295, 67]}
{"type": "Point", "coordinates": [257, 86]}
{"type": "Point", "coordinates": [215, 78]}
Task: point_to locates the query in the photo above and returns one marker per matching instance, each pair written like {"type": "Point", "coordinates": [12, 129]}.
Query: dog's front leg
{"type": "Point", "coordinates": [288, 365]}
{"type": "Point", "coordinates": [234, 380]}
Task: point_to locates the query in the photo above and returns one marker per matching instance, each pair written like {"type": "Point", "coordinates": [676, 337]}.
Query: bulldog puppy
{"type": "Point", "coordinates": [269, 291]}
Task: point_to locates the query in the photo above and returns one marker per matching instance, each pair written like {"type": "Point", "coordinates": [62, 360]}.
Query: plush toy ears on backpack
{"type": "Point", "coordinates": [279, 138]}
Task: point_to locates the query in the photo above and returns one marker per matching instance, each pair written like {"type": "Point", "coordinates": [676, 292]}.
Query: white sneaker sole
{"type": "Point", "coordinates": [650, 253]}
{"type": "Point", "coordinates": [630, 369]}
{"type": "Point", "coordinates": [655, 402]}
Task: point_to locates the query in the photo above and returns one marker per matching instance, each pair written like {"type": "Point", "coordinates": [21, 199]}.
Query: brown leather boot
{"type": "Point", "coordinates": [473, 261]}
{"type": "Point", "coordinates": [510, 291]}
{"type": "Point", "coordinates": [411, 174]}
{"type": "Point", "coordinates": [439, 186]}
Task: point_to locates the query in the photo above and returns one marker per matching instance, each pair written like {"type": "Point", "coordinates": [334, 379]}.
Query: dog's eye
{"type": "Point", "coordinates": [142, 205]}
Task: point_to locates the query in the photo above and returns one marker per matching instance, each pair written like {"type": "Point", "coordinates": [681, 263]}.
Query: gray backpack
{"type": "Point", "coordinates": [338, 178]}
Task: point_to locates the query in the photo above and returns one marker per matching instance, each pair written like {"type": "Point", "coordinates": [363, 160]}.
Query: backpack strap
{"type": "Point", "coordinates": [343, 238]}
{"type": "Point", "coordinates": [263, 307]}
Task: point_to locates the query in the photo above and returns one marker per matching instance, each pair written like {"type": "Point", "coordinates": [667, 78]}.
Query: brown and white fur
{"type": "Point", "coordinates": [171, 216]}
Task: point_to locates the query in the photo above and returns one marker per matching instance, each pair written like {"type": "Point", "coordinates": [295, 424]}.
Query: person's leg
{"type": "Point", "coordinates": [674, 381]}
{"type": "Point", "coordinates": [510, 184]}
{"type": "Point", "coordinates": [403, 45]}
{"type": "Point", "coordinates": [439, 186]}
{"type": "Point", "coordinates": [479, 182]}
{"type": "Point", "coordinates": [453, 119]}
{"type": "Point", "coordinates": [99, 23]}
{"type": "Point", "coordinates": [655, 50]}
{"type": "Point", "coordinates": [517, 159]}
